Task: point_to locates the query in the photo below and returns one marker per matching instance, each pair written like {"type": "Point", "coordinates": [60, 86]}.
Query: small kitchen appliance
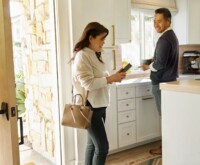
{"type": "Point", "coordinates": [191, 62]}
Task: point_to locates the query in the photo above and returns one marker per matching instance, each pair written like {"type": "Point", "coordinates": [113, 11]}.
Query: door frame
{"type": "Point", "coordinates": [8, 128]}
{"type": "Point", "coordinates": [64, 49]}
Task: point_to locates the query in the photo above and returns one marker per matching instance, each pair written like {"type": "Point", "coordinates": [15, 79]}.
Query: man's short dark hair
{"type": "Point", "coordinates": [166, 13]}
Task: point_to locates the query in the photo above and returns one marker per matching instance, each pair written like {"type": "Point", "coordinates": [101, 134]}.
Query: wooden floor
{"type": "Point", "coordinates": [29, 157]}
{"type": "Point", "coordinates": [135, 154]}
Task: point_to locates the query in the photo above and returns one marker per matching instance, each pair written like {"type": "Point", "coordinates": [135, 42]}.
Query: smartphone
{"type": "Point", "coordinates": [126, 68]}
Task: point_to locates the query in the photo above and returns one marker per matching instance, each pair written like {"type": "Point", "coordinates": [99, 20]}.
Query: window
{"type": "Point", "coordinates": [143, 41]}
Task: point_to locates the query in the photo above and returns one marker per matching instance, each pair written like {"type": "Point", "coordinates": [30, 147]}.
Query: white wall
{"type": "Point", "coordinates": [193, 21]}
{"type": "Point", "coordinates": [180, 22]}
{"type": "Point", "coordinates": [186, 23]}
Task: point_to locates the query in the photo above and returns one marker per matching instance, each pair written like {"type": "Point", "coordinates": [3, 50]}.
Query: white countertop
{"type": "Point", "coordinates": [134, 82]}
{"type": "Point", "coordinates": [147, 81]}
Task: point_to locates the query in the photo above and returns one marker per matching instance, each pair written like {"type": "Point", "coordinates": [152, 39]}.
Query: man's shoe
{"type": "Point", "coordinates": [157, 151]}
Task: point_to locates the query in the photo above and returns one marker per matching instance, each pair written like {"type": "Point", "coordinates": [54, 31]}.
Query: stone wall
{"type": "Point", "coordinates": [39, 79]}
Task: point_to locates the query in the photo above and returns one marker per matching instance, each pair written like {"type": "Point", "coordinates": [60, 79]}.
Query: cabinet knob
{"type": "Point", "coordinates": [127, 93]}
{"type": "Point", "coordinates": [127, 116]}
{"type": "Point", "coordinates": [127, 104]}
{"type": "Point", "coordinates": [128, 134]}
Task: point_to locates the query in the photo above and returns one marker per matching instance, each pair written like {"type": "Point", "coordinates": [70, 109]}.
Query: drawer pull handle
{"type": "Point", "coordinates": [127, 104]}
{"type": "Point", "coordinates": [148, 98]}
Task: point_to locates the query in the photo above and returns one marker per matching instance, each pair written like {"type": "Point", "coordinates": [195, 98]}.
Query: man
{"type": "Point", "coordinates": [164, 67]}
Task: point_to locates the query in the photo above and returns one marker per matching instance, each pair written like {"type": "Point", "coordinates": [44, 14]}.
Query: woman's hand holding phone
{"type": "Point", "coordinates": [116, 77]}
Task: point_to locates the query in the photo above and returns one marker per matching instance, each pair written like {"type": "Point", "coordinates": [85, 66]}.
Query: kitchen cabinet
{"type": "Point", "coordinates": [193, 21]}
{"type": "Point", "coordinates": [122, 22]}
{"type": "Point", "coordinates": [138, 118]}
{"type": "Point", "coordinates": [115, 15]}
{"type": "Point", "coordinates": [148, 120]}
{"type": "Point", "coordinates": [180, 122]}
{"type": "Point", "coordinates": [126, 116]}
{"type": "Point", "coordinates": [109, 58]}
{"type": "Point", "coordinates": [186, 22]}
{"type": "Point", "coordinates": [111, 120]}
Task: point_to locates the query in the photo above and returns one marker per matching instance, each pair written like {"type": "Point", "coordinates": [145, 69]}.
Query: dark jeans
{"type": "Point", "coordinates": [97, 144]}
{"type": "Point", "coordinates": [157, 94]}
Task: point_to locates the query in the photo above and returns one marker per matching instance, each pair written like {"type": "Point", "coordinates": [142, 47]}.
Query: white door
{"type": "Point", "coordinates": [9, 148]}
{"type": "Point", "coordinates": [148, 120]}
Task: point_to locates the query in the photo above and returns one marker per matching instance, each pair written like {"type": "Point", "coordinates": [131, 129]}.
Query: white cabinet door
{"type": "Point", "coordinates": [193, 22]}
{"type": "Point", "coordinates": [109, 58]}
{"type": "Point", "coordinates": [85, 11]}
{"type": "Point", "coordinates": [127, 134]}
{"type": "Point", "coordinates": [122, 21]}
{"type": "Point", "coordinates": [111, 120]}
{"type": "Point", "coordinates": [114, 15]}
{"type": "Point", "coordinates": [147, 118]}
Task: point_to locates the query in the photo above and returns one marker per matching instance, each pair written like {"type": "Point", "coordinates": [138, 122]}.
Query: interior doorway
{"type": "Point", "coordinates": [34, 53]}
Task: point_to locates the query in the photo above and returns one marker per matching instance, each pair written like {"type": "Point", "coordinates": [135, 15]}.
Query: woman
{"type": "Point", "coordinates": [89, 74]}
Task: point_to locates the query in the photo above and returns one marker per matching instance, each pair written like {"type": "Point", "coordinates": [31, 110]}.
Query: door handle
{"type": "Point", "coordinates": [4, 109]}
{"type": "Point", "coordinates": [21, 130]}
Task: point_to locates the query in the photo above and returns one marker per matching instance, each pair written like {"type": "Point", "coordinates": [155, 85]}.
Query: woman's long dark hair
{"type": "Point", "coordinates": [92, 29]}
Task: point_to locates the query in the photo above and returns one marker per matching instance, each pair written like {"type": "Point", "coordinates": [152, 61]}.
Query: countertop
{"type": "Point", "coordinates": [134, 82]}
{"type": "Point", "coordinates": [185, 85]}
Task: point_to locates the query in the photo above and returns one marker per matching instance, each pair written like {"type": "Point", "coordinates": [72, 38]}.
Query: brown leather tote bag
{"type": "Point", "coordinates": [77, 116]}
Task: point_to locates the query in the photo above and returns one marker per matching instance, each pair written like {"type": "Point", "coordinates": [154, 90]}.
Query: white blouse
{"type": "Point", "coordinates": [90, 74]}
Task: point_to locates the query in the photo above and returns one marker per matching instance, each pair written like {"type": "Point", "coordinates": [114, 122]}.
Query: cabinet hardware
{"type": "Point", "coordinates": [113, 30]}
{"type": "Point", "coordinates": [127, 104]}
{"type": "Point", "coordinates": [148, 98]}
{"type": "Point", "coordinates": [114, 60]}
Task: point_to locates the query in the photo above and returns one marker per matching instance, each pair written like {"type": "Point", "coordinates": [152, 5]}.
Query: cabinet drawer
{"type": "Point", "coordinates": [124, 93]}
{"type": "Point", "coordinates": [127, 116]}
{"type": "Point", "coordinates": [127, 134]}
{"type": "Point", "coordinates": [127, 104]}
{"type": "Point", "coordinates": [143, 91]}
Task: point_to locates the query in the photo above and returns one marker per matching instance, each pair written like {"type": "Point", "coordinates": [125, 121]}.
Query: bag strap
{"type": "Point", "coordinates": [86, 97]}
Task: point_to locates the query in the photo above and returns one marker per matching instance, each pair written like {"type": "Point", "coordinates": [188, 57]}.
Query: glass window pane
{"type": "Point", "coordinates": [149, 45]}
{"type": "Point", "coordinates": [143, 39]}
{"type": "Point", "coordinates": [131, 51]}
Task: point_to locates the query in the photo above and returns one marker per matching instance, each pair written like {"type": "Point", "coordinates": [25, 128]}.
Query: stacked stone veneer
{"type": "Point", "coordinates": [39, 77]}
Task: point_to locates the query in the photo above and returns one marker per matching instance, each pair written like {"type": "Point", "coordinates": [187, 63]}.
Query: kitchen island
{"type": "Point", "coordinates": [181, 122]}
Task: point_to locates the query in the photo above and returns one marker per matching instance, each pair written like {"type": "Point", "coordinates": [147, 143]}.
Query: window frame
{"type": "Point", "coordinates": [142, 44]}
